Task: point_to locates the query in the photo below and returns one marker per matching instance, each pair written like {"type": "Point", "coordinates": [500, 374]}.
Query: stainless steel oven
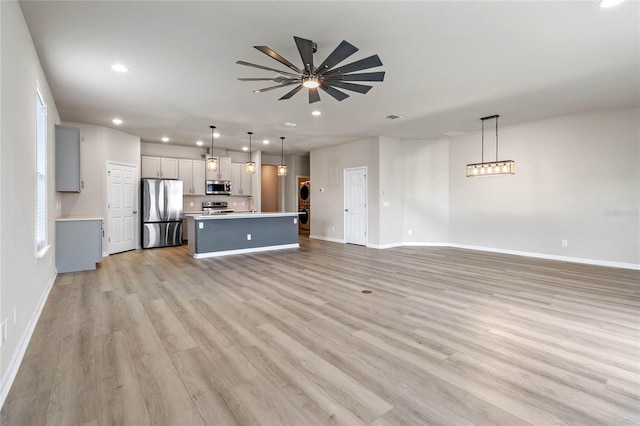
{"type": "Point", "coordinates": [218, 187]}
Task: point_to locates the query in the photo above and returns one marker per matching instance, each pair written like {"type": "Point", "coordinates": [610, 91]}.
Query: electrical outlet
{"type": "Point", "coordinates": [333, 228]}
{"type": "Point", "coordinates": [410, 232]}
{"type": "Point", "coordinates": [565, 243]}
{"type": "Point", "coordinates": [190, 203]}
{"type": "Point", "coordinates": [200, 225]}
{"type": "Point", "coordinates": [248, 237]}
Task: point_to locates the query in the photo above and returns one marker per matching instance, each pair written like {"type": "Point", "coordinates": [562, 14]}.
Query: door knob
{"type": "Point", "coordinates": [346, 210]}
{"type": "Point", "coordinates": [135, 212]}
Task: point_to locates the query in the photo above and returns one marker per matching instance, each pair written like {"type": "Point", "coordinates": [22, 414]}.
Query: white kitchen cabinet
{"type": "Point", "coordinates": [192, 174]}
{"type": "Point", "coordinates": [78, 243]}
{"type": "Point", "coordinates": [159, 167]}
{"type": "Point", "coordinates": [68, 143]}
{"type": "Point", "coordinates": [199, 177]}
{"type": "Point", "coordinates": [240, 181]}
{"type": "Point", "coordinates": [224, 170]}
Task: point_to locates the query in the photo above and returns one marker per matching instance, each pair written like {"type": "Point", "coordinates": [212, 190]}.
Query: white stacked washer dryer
{"type": "Point", "coordinates": [304, 204]}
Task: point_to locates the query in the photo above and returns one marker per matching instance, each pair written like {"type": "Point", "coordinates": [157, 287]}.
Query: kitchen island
{"type": "Point", "coordinates": [234, 233]}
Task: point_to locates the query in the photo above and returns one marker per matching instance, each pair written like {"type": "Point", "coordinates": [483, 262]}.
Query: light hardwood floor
{"type": "Point", "coordinates": [447, 336]}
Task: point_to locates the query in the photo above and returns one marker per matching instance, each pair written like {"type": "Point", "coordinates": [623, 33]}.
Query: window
{"type": "Point", "coordinates": [41, 175]}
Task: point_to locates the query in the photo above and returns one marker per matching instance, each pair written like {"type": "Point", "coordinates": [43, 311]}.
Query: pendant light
{"type": "Point", "coordinates": [282, 169]}
{"type": "Point", "coordinates": [212, 162]}
{"type": "Point", "coordinates": [492, 168]}
{"type": "Point", "coordinates": [251, 166]}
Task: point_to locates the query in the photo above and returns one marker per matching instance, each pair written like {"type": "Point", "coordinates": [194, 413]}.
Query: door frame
{"type": "Point", "coordinates": [136, 208]}
{"type": "Point", "coordinates": [366, 203]}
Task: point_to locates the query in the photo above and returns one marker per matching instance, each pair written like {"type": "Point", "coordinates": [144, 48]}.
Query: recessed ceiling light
{"type": "Point", "coordinates": [245, 148]}
{"type": "Point", "coordinates": [288, 124]}
{"type": "Point", "coordinates": [199, 143]}
{"type": "Point", "coordinates": [116, 121]}
{"type": "Point", "coordinates": [165, 139]}
{"type": "Point", "coordinates": [316, 113]}
{"type": "Point", "coordinates": [216, 135]}
{"type": "Point", "coordinates": [266, 141]}
{"type": "Point", "coordinates": [609, 3]}
{"type": "Point", "coordinates": [119, 68]}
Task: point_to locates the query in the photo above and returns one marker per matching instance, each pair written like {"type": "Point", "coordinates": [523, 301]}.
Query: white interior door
{"type": "Point", "coordinates": [355, 206]}
{"type": "Point", "coordinates": [121, 207]}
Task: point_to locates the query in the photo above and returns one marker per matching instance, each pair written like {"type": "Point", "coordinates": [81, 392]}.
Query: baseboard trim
{"type": "Point", "coordinates": [16, 360]}
{"type": "Point", "coordinates": [320, 237]}
{"type": "Point", "coordinates": [384, 246]}
{"type": "Point", "coordinates": [244, 251]}
{"type": "Point", "coordinates": [596, 262]}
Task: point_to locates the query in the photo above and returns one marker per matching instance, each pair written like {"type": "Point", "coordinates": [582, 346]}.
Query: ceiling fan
{"type": "Point", "coordinates": [324, 76]}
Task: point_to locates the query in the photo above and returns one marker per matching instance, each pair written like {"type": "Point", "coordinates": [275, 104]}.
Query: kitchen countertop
{"type": "Point", "coordinates": [80, 217]}
{"type": "Point", "coordinates": [242, 215]}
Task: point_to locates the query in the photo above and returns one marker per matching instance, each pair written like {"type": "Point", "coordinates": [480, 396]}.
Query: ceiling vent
{"type": "Point", "coordinates": [393, 116]}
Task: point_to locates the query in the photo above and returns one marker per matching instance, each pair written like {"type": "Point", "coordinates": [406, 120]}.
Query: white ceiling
{"type": "Point", "coordinates": [447, 64]}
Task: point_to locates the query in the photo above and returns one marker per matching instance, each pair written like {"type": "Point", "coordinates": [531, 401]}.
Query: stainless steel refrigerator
{"type": "Point", "coordinates": [161, 213]}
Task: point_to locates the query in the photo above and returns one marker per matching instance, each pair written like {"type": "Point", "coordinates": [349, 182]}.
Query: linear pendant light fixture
{"type": "Point", "coordinates": [250, 166]}
{"type": "Point", "coordinates": [282, 169]}
{"type": "Point", "coordinates": [492, 168]}
{"type": "Point", "coordinates": [212, 162]}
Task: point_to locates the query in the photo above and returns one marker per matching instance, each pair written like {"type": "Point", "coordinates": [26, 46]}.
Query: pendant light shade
{"type": "Point", "coordinates": [212, 162]}
{"type": "Point", "coordinates": [491, 168]}
{"type": "Point", "coordinates": [250, 166]}
{"type": "Point", "coordinates": [282, 169]}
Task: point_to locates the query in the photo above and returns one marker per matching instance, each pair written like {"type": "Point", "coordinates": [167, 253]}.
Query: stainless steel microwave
{"type": "Point", "coordinates": [218, 187]}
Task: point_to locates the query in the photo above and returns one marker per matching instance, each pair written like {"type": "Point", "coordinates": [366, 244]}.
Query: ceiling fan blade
{"type": "Point", "coordinates": [291, 93]}
{"type": "Point", "coordinates": [362, 64]}
{"type": "Point", "coordinates": [360, 88]}
{"type": "Point", "coordinates": [365, 76]}
{"type": "Point", "coordinates": [263, 79]}
{"type": "Point", "coordinates": [249, 64]}
{"type": "Point", "coordinates": [305, 48]}
{"type": "Point", "coordinates": [339, 54]}
{"type": "Point", "coordinates": [266, 89]}
{"type": "Point", "coordinates": [337, 94]}
{"type": "Point", "coordinates": [270, 52]}
{"type": "Point", "coordinates": [314, 96]}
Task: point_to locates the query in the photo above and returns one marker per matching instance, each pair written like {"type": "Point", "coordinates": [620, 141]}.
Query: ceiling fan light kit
{"type": "Point", "coordinates": [491, 168]}
{"type": "Point", "coordinates": [325, 76]}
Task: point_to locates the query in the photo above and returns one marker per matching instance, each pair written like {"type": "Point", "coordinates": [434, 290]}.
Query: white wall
{"type": "Point", "coordinates": [176, 151]}
{"type": "Point", "coordinates": [425, 173]}
{"type": "Point", "coordinates": [390, 192]}
{"type": "Point", "coordinates": [327, 168]}
{"type": "Point", "coordinates": [24, 282]}
{"type": "Point", "coordinates": [577, 179]}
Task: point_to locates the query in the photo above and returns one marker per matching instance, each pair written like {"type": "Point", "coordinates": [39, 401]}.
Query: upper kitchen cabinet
{"type": "Point", "coordinates": [240, 181]}
{"type": "Point", "coordinates": [159, 167]}
{"type": "Point", "coordinates": [192, 174]}
{"type": "Point", "coordinates": [68, 140]}
{"type": "Point", "coordinates": [224, 170]}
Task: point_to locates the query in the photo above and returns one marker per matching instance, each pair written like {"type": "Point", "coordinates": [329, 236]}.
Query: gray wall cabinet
{"type": "Point", "coordinates": [68, 141]}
